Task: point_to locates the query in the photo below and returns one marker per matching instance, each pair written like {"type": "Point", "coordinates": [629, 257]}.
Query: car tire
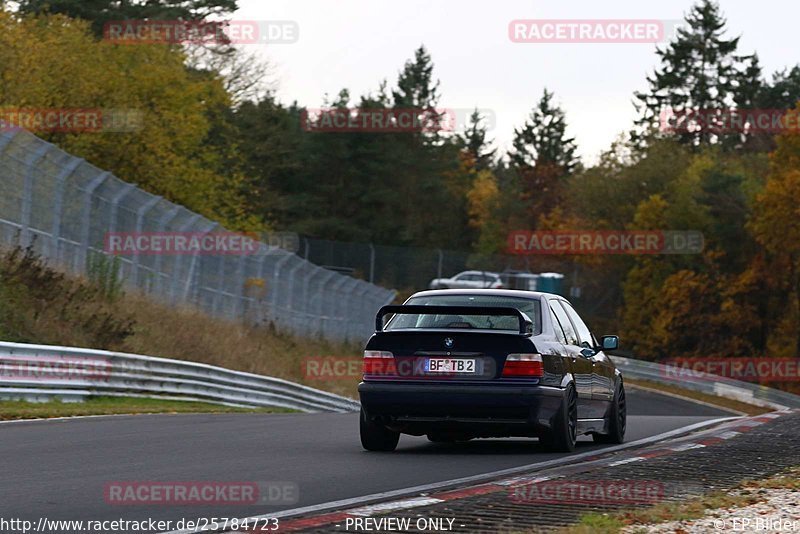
{"type": "Point", "coordinates": [618, 419]}
{"type": "Point", "coordinates": [375, 437]}
{"type": "Point", "coordinates": [564, 434]}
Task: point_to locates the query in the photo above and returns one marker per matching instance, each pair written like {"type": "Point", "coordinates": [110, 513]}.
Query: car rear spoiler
{"type": "Point", "coordinates": [412, 309]}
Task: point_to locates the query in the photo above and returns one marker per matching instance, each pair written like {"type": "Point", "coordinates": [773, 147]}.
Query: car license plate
{"type": "Point", "coordinates": [449, 365]}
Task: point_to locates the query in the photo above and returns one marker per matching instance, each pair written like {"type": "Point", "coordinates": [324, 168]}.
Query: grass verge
{"type": "Point", "coordinates": [739, 406]}
{"type": "Point", "coordinates": [745, 494]}
{"type": "Point", "coordinates": [13, 410]}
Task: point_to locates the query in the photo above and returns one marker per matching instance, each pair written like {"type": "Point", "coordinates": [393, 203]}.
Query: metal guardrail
{"type": "Point", "coordinates": [43, 372]}
{"type": "Point", "coordinates": [710, 384]}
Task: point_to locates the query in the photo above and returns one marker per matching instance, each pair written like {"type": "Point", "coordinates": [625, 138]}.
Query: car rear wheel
{"type": "Point", "coordinates": [617, 419]}
{"type": "Point", "coordinates": [375, 437]}
{"type": "Point", "coordinates": [564, 434]}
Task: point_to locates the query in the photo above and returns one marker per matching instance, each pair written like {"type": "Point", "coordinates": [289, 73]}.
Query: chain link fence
{"type": "Point", "coordinates": [65, 208]}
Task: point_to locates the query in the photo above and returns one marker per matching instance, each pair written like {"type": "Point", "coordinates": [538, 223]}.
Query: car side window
{"type": "Point", "coordinates": [557, 328]}
{"type": "Point", "coordinates": [569, 331]}
{"type": "Point", "coordinates": [584, 334]}
{"type": "Point", "coordinates": [461, 276]}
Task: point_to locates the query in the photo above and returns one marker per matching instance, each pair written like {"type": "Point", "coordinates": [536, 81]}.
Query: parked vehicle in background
{"type": "Point", "coordinates": [521, 280]}
{"type": "Point", "coordinates": [528, 281]}
{"type": "Point", "coordinates": [469, 280]}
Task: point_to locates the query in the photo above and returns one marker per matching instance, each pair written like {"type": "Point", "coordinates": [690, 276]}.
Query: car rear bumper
{"type": "Point", "coordinates": [474, 409]}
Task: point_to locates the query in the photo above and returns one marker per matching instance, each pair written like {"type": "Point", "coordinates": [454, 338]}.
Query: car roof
{"type": "Point", "coordinates": [533, 295]}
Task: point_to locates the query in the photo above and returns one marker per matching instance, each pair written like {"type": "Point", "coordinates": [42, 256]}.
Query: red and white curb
{"type": "Point", "coordinates": [725, 431]}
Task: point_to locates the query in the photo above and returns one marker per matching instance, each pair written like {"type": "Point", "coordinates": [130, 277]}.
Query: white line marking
{"type": "Point", "coordinates": [626, 461]}
{"type": "Point", "coordinates": [687, 447]}
{"type": "Point", "coordinates": [522, 480]}
{"type": "Point", "coordinates": [391, 506]}
{"type": "Point", "coordinates": [427, 488]}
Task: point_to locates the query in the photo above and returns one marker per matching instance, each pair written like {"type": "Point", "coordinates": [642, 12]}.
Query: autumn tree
{"type": "Point", "coordinates": [542, 156]}
{"type": "Point", "coordinates": [700, 77]}
{"type": "Point", "coordinates": [164, 147]}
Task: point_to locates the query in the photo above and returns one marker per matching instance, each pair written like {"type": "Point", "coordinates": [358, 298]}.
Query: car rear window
{"type": "Point", "coordinates": [530, 307]}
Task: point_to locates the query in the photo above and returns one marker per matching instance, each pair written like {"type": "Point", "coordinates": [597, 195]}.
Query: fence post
{"type": "Point", "coordinates": [27, 194]}
{"type": "Point", "coordinates": [58, 207]}
{"type": "Point", "coordinates": [193, 265]}
{"type": "Point", "coordinates": [441, 260]}
{"type": "Point", "coordinates": [238, 305]}
{"type": "Point", "coordinates": [291, 300]}
{"type": "Point", "coordinates": [127, 188]}
{"type": "Point", "coordinates": [167, 218]}
{"type": "Point", "coordinates": [261, 264]}
{"type": "Point", "coordinates": [349, 316]}
{"type": "Point", "coordinates": [140, 214]}
{"type": "Point", "coordinates": [333, 301]}
{"type": "Point", "coordinates": [371, 263]}
{"type": "Point", "coordinates": [364, 308]}
{"type": "Point", "coordinates": [86, 223]}
{"type": "Point", "coordinates": [321, 303]}
{"type": "Point", "coordinates": [275, 277]}
{"type": "Point", "coordinates": [220, 292]}
{"type": "Point", "coordinates": [6, 139]}
{"type": "Point", "coordinates": [176, 271]}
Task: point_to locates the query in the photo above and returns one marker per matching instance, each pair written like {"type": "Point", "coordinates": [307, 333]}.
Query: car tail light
{"type": "Point", "coordinates": [524, 365]}
{"type": "Point", "coordinates": [379, 362]}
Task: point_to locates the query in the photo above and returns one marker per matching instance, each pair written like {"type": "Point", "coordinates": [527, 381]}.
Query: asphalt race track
{"type": "Point", "coordinates": [59, 469]}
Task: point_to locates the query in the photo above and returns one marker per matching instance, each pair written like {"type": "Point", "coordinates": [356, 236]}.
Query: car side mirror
{"type": "Point", "coordinates": [609, 342]}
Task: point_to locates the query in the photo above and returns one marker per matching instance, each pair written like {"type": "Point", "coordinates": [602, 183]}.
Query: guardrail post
{"type": "Point", "coordinates": [140, 215]}
{"type": "Point", "coordinates": [27, 194]}
{"type": "Point", "coordinates": [86, 223]}
{"type": "Point", "coordinates": [58, 207]}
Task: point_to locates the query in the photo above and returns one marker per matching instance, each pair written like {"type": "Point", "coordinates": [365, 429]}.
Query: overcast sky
{"type": "Point", "coordinates": [355, 44]}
